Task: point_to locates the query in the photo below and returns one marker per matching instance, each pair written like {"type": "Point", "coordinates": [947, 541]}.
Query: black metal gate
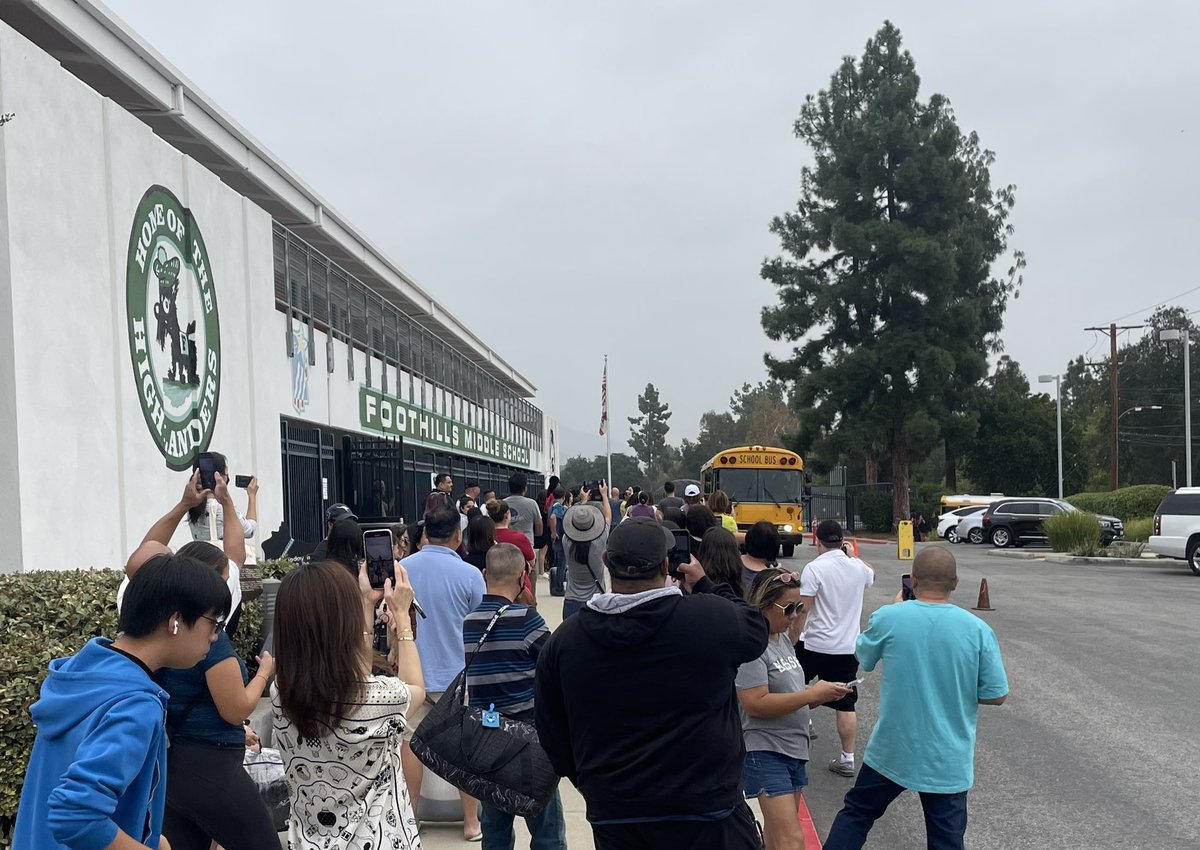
{"type": "Point", "coordinates": [373, 471]}
{"type": "Point", "coordinates": [308, 476]}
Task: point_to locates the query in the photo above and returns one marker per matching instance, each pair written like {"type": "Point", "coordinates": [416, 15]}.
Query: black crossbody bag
{"type": "Point", "coordinates": [504, 766]}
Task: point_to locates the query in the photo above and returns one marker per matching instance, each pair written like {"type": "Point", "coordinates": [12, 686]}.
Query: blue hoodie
{"type": "Point", "coordinates": [100, 756]}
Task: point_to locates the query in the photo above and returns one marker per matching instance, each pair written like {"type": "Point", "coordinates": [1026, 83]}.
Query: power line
{"type": "Point", "coordinates": [1152, 306]}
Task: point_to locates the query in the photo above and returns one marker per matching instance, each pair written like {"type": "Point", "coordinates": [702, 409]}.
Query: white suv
{"type": "Point", "coordinates": [1177, 527]}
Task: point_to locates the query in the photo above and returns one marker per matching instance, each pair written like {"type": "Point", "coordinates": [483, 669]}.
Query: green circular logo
{"type": "Point", "coordinates": [174, 332]}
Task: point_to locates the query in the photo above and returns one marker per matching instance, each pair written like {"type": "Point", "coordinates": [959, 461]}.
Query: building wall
{"type": "Point", "coordinates": [83, 475]}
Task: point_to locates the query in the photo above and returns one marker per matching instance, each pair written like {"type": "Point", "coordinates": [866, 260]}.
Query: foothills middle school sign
{"type": "Point", "coordinates": [386, 413]}
{"type": "Point", "coordinates": [174, 332]}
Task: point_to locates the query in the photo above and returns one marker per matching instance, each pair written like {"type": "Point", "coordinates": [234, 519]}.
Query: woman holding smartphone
{"type": "Point", "coordinates": [773, 702]}
{"type": "Point", "coordinates": [330, 710]}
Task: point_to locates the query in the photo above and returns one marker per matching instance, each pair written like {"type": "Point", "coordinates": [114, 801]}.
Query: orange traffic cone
{"type": "Point", "coordinates": [985, 599]}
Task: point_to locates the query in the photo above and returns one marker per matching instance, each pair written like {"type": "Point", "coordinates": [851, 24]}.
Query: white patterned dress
{"type": "Point", "coordinates": [347, 787]}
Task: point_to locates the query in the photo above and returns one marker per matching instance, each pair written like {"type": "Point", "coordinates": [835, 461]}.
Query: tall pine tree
{"type": "Point", "coordinates": [885, 282]}
{"type": "Point", "coordinates": [648, 432]}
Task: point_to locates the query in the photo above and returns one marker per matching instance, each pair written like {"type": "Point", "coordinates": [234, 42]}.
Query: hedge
{"type": "Point", "coordinates": [51, 614]}
{"type": "Point", "coordinates": [875, 508]}
{"type": "Point", "coordinates": [1127, 503]}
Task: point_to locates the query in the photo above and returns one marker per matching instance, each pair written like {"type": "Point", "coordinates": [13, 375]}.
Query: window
{"type": "Point", "coordinates": [741, 485]}
{"type": "Point", "coordinates": [1180, 504]}
{"type": "Point", "coordinates": [312, 288]}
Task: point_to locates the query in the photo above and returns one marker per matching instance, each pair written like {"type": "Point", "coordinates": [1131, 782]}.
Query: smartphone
{"type": "Point", "coordinates": [242, 481]}
{"type": "Point", "coordinates": [906, 591]}
{"type": "Point", "coordinates": [680, 552]}
{"type": "Point", "coordinates": [208, 471]}
{"type": "Point", "coordinates": [381, 561]}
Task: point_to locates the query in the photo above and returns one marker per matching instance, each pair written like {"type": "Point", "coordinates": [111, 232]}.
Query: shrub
{"type": "Point", "coordinates": [875, 508]}
{"type": "Point", "coordinates": [1077, 532]}
{"type": "Point", "coordinates": [1127, 503]}
{"type": "Point", "coordinates": [1139, 530]}
{"type": "Point", "coordinates": [51, 614]}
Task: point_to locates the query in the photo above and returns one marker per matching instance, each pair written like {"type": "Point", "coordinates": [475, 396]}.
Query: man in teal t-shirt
{"type": "Point", "coordinates": [940, 664]}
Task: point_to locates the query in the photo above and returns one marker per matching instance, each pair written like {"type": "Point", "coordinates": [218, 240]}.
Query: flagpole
{"type": "Point", "coordinates": [608, 436]}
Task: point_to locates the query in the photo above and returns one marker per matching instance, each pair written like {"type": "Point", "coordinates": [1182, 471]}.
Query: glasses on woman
{"type": "Point", "coordinates": [217, 625]}
{"type": "Point", "coordinates": [788, 578]}
{"type": "Point", "coordinates": [791, 609]}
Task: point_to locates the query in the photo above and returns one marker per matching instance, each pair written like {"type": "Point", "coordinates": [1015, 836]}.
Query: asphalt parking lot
{"type": "Point", "coordinates": [1098, 744]}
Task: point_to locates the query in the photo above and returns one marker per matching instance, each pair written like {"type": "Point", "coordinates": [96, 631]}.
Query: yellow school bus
{"type": "Point", "coordinates": [763, 483]}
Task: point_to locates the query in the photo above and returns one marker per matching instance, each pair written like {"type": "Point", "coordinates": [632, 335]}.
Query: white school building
{"type": "Point", "coordinates": [168, 287]}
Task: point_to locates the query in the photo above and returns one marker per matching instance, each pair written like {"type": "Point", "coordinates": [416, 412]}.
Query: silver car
{"type": "Point", "coordinates": [970, 529]}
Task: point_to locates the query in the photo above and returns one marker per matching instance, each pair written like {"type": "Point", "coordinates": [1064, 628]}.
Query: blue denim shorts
{"type": "Point", "coordinates": [773, 774]}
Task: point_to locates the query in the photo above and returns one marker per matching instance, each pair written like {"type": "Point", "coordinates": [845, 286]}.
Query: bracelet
{"type": "Point", "coordinates": [261, 676]}
{"type": "Point", "coordinates": [406, 637]}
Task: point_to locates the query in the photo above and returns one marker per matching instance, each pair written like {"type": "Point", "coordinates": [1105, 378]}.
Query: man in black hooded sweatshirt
{"type": "Point", "coordinates": [635, 702]}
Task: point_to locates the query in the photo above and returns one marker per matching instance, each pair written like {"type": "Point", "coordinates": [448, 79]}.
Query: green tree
{"type": "Point", "coordinates": [579, 469]}
{"type": "Point", "coordinates": [1015, 450]}
{"type": "Point", "coordinates": [648, 432]}
{"type": "Point", "coordinates": [717, 431]}
{"type": "Point", "coordinates": [885, 281]}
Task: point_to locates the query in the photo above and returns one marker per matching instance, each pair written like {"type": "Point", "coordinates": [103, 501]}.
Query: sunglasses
{"type": "Point", "coordinates": [791, 609]}
{"type": "Point", "coordinates": [788, 578]}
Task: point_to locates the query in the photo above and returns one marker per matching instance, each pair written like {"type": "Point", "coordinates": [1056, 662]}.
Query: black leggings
{"type": "Point", "coordinates": [210, 797]}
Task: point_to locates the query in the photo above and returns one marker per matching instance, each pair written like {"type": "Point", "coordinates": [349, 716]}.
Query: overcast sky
{"type": "Point", "coordinates": [573, 179]}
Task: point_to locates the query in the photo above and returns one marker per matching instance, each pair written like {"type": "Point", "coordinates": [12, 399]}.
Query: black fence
{"type": "Point", "coordinates": [841, 503]}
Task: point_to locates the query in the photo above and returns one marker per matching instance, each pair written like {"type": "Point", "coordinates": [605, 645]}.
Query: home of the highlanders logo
{"type": "Point", "coordinates": [174, 332]}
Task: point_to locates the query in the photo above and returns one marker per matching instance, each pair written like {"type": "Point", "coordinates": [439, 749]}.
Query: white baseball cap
{"type": "Point", "coordinates": [691, 490]}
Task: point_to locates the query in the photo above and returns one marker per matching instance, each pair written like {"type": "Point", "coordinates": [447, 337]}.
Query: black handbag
{"type": "Point", "coordinates": [504, 767]}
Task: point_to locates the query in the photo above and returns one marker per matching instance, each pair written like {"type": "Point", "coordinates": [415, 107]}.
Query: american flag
{"type": "Point", "coordinates": [604, 400]}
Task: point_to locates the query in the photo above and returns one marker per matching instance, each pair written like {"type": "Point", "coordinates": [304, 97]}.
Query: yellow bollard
{"type": "Point", "coordinates": [904, 541]}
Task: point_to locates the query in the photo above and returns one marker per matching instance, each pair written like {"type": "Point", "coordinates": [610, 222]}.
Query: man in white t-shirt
{"type": "Point", "coordinates": [831, 588]}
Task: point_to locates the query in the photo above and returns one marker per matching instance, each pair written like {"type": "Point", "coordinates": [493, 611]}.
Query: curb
{"type": "Point", "coordinates": [1016, 556]}
{"type": "Point", "coordinates": [1059, 558]}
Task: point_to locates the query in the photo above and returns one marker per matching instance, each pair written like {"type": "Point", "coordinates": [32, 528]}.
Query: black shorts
{"type": "Point", "coordinates": [830, 668]}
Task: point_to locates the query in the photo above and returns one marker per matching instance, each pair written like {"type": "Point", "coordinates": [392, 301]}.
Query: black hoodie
{"type": "Point", "coordinates": [637, 707]}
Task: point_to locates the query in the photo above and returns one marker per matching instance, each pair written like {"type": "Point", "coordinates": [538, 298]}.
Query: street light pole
{"type": "Point", "coordinates": [1183, 335]}
{"type": "Point", "coordinates": [1057, 379]}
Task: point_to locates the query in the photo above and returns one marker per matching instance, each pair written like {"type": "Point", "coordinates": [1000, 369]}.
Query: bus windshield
{"type": "Point", "coordinates": [762, 485]}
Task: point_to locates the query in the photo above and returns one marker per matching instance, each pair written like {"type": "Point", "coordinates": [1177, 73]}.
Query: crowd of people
{"type": "Point", "coordinates": [679, 685]}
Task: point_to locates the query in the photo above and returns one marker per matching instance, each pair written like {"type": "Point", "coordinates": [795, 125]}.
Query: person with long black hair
{"type": "Point", "coordinates": [585, 534]}
{"type": "Point", "coordinates": [329, 710]}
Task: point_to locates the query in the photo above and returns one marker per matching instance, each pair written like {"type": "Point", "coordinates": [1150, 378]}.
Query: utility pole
{"type": "Point", "coordinates": [1111, 330]}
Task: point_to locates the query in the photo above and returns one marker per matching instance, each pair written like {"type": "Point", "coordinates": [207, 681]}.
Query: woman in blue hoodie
{"type": "Point", "coordinates": [96, 777]}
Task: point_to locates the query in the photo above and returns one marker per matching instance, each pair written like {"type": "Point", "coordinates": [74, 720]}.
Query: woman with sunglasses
{"type": "Point", "coordinates": [773, 702]}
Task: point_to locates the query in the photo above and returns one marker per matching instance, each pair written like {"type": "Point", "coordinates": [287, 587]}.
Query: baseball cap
{"type": "Point", "coordinates": [338, 512]}
{"type": "Point", "coordinates": [637, 546]}
{"type": "Point", "coordinates": [691, 490]}
{"type": "Point", "coordinates": [829, 532]}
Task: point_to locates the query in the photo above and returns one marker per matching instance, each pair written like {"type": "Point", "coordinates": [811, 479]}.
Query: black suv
{"type": "Point", "coordinates": [1015, 522]}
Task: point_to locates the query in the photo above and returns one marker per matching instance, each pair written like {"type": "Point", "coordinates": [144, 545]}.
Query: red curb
{"type": "Point", "coordinates": [812, 841]}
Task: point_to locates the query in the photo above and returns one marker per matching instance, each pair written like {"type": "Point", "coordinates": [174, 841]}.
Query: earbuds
{"type": "Point", "coordinates": [175, 627]}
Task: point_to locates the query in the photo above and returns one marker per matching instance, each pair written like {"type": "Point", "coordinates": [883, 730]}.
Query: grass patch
{"type": "Point", "coordinates": [1076, 532]}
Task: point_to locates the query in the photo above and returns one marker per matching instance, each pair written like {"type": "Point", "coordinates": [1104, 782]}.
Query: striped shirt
{"type": "Point", "coordinates": [502, 672]}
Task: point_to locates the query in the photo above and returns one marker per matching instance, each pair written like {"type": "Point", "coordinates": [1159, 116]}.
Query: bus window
{"type": "Point", "coordinates": [783, 486]}
{"type": "Point", "coordinates": [741, 485]}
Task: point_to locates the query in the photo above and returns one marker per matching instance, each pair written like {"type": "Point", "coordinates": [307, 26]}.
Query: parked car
{"type": "Point", "coordinates": [1177, 527]}
{"type": "Point", "coordinates": [970, 529]}
{"type": "Point", "coordinates": [948, 522]}
{"type": "Point", "coordinates": [1015, 522]}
